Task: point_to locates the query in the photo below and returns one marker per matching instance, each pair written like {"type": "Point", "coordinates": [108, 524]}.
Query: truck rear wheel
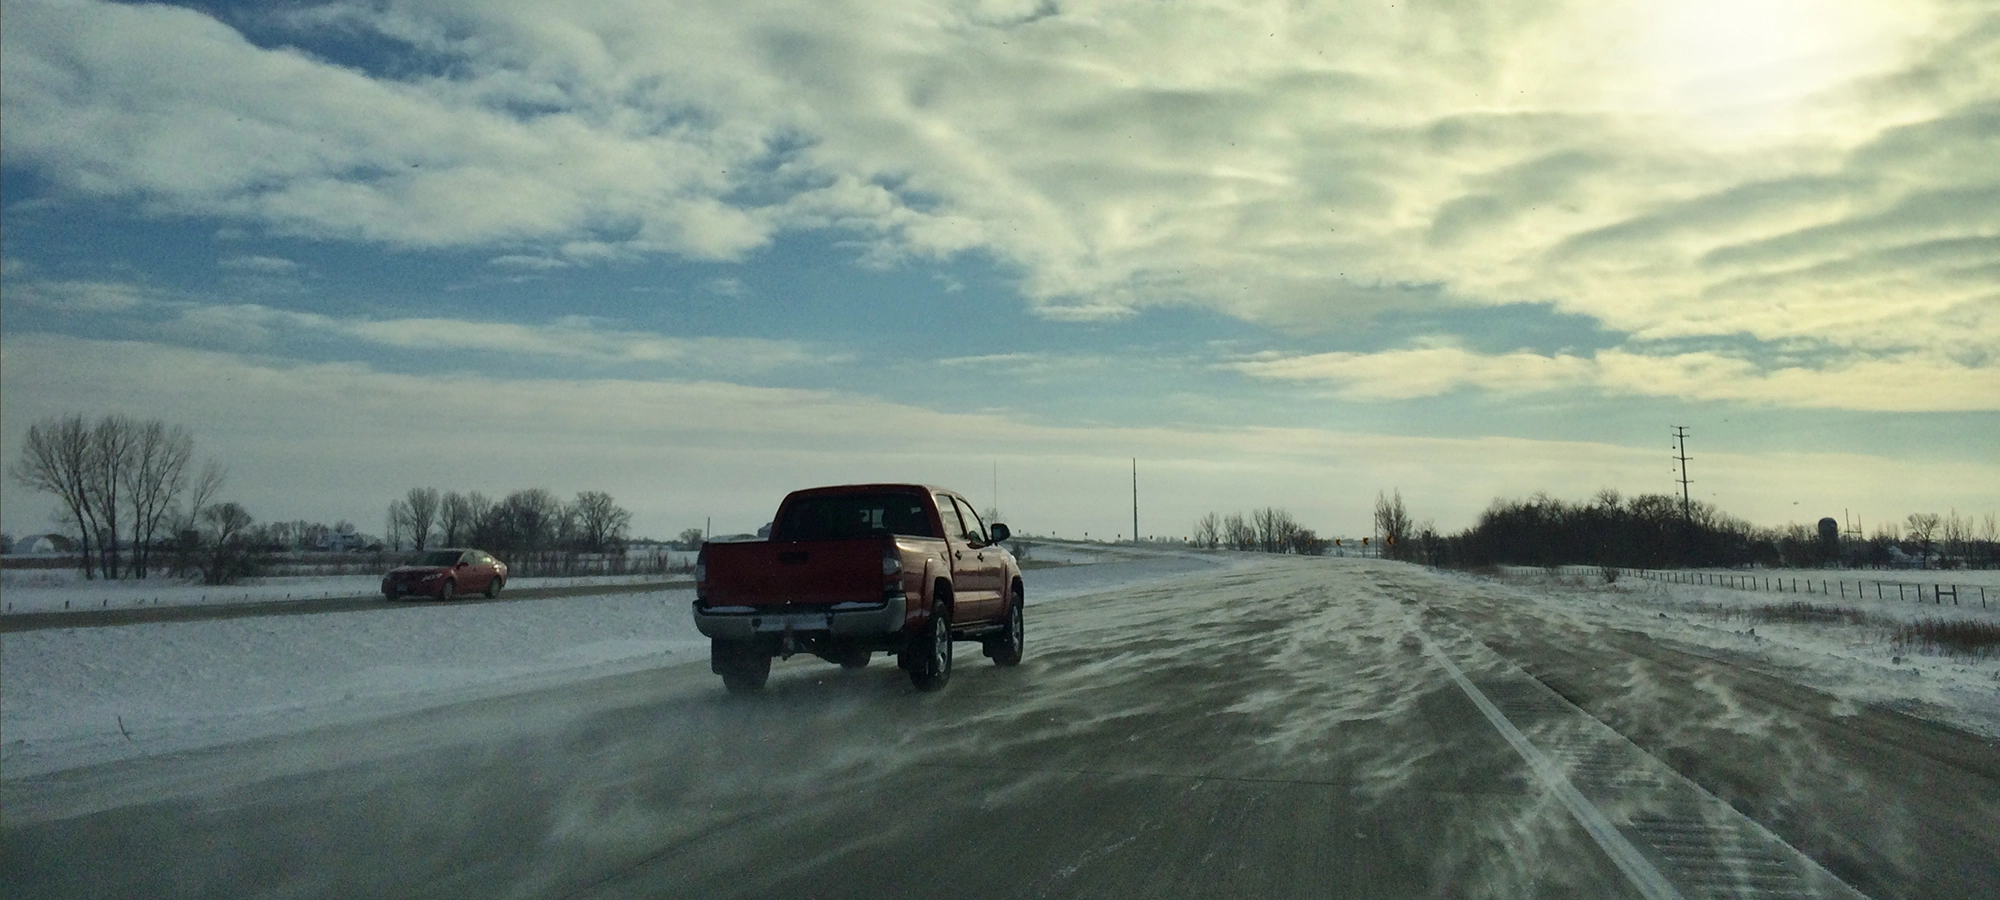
{"type": "Point", "coordinates": [1005, 648]}
{"type": "Point", "coordinates": [744, 666]}
{"type": "Point", "coordinates": [929, 657]}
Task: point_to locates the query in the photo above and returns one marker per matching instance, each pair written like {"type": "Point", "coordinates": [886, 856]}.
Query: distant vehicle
{"type": "Point", "coordinates": [855, 570]}
{"type": "Point", "coordinates": [342, 542]}
{"type": "Point", "coordinates": [444, 574]}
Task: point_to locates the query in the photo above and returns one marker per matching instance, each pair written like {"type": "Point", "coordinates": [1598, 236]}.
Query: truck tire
{"type": "Point", "coordinates": [1005, 648]}
{"type": "Point", "coordinates": [928, 658]}
{"type": "Point", "coordinates": [855, 658]}
{"type": "Point", "coordinates": [744, 666]}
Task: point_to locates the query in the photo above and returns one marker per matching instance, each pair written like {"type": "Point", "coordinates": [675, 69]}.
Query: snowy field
{"type": "Point", "coordinates": [76, 696]}
{"type": "Point", "coordinates": [1860, 661]}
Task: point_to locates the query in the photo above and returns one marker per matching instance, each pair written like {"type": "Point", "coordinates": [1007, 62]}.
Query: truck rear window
{"type": "Point", "coordinates": [837, 516]}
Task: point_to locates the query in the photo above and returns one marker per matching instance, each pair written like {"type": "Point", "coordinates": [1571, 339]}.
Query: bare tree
{"type": "Point", "coordinates": [1392, 521]}
{"type": "Point", "coordinates": [56, 458]}
{"type": "Point", "coordinates": [455, 518]}
{"type": "Point", "coordinates": [1238, 533]}
{"type": "Point", "coordinates": [157, 474]}
{"type": "Point", "coordinates": [691, 538]}
{"type": "Point", "coordinates": [524, 522]}
{"type": "Point", "coordinates": [1923, 530]}
{"type": "Point", "coordinates": [1957, 534]}
{"type": "Point", "coordinates": [460, 516]}
{"type": "Point", "coordinates": [601, 523]}
{"type": "Point", "coordinates": [397, 520]}
{"type": "Point", "coordinates": [111, 445]}
{"type": "Point", "coordinates": [231, 555]}
{"type": "Point", "coordinates": [1208, 531]}
{"type": "Point", "coordinates": [421, 507]}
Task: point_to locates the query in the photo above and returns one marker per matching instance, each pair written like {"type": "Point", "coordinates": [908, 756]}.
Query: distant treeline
{"type": "Point", "coordinates": [1268, 530]}
{"type": "Point", "coordinates": [1657, 531]}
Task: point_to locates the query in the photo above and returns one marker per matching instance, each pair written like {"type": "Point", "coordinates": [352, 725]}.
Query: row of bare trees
{"type": "Point", "coordinates": [526, 524]}
{"type": "Point", "coordinates": [1662, 531]}
{"type": "Point", "coordinates": [1269, 530]}
{"type": "Point", "coordinates": [125, 483]}
{"type": "Point", "coordinates": [1957, 541]}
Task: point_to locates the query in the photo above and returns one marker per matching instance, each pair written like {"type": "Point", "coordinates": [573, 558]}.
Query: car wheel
{"type": "Point", "coordinates": [930, 659]}
{"type": "Point", "coordinates": [1005, 650]}
{"type": "Point", "coordinates": [744, 667]}
{"type": "Point", "coordinates": [447, 589]}
{"type": "Point", "coordinates": [493, 587]}
{"type": "Point", "coordinates": [856, 658]}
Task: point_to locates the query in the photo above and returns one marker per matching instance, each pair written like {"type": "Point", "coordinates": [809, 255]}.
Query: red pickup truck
{"type": "Point", "coordinates": [856, 570]}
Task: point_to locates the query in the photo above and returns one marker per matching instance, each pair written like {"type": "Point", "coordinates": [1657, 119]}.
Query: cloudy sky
{"type": "Point", "coordinates": [1293, 254]}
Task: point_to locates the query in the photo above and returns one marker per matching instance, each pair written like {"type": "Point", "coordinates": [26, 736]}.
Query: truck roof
{"type": "Point", "coordinates": [873, 488]}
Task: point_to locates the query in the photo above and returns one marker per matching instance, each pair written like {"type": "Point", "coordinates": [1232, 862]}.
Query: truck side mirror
{"type": "Point", "coordinates": [1000, 532]}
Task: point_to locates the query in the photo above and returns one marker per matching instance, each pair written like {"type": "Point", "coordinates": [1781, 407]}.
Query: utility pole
{"type": "Point", "coordinates": [1135, 500]}
{"type": "Point", "coordinates": [1681, 454]}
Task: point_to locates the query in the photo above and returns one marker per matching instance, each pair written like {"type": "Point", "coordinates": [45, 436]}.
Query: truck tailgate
{"type": "Point", "coordinates": [799, 573]}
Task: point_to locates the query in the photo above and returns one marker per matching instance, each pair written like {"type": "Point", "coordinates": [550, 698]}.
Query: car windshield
{"type": "Point", "coordinates": [436, 558]}
{"type": "Point", "coordinates": [853, 515]}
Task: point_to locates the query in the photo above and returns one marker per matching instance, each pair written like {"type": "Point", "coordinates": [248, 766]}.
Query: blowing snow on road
{"type": "Point", "coordinates": [1183, 725]}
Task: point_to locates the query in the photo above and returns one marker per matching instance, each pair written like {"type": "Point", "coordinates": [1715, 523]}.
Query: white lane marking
{"type": "Point", "coordinates": [1629, 860]}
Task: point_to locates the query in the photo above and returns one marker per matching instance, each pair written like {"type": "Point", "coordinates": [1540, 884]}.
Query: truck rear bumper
{"type": "Point", "coordinates": [840, 620]}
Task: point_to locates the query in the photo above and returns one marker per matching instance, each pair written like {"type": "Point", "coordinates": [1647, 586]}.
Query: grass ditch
{"type": "Point", "coordinates": [1953, 636]}
{"type": "Point", "coordinates": [1813, 614]}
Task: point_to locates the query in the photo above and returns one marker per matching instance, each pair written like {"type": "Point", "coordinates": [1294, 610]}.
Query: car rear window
{"type": "Point", "coordinates": [837, 516]}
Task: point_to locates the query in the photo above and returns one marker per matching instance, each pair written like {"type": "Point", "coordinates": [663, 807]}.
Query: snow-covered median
{"type": "Point", "coordinates": [42, 591]}
{"type": "Point", "coordinates": [77, 696]}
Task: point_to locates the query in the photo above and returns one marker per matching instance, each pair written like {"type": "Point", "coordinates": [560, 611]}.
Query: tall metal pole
{"type": "Point", "coordinates": [1135, 500]}
{"type": "Point", "coordinates": [1681, 453]}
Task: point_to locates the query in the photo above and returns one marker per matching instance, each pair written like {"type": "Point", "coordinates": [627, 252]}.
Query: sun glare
{"type": "Point", "coordinates": [1751, 66]}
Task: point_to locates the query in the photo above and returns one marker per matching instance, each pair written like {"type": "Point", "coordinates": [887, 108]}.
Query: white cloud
{"type": "Point", "coordinates": [85, 297]}
{"type": "Point", "coordinates": [1927, 382]}
{"type": "Point", "coordinates": [527, 261]}
{"type": "Point", "coordinates": [129, 308]}
{"type": "Point", "coordinates": [1795, 170]}
{"type": "Point", "coordinates": [577, 339]}
{"type": "Point", "coordinates": [328, 441]}
{"type": "Point", "coordinates": [263, 265]}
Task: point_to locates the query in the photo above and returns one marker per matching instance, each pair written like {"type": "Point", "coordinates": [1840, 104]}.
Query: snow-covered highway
{"type": "Point", "coordinates": [1260, 727]}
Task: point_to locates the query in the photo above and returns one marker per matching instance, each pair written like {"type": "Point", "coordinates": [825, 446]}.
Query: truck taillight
{"type": "Point", "coordinates": [892, 561]}
{"type": "Point", "coordinates": [701, 566]}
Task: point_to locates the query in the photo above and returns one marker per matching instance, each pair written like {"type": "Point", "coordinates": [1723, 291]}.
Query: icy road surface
{"type": "Point", "coordinates": [1280, 728]}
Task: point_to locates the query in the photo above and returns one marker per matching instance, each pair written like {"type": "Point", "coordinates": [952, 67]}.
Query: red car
{"type": "Point", "coordinates": [445, 574]}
